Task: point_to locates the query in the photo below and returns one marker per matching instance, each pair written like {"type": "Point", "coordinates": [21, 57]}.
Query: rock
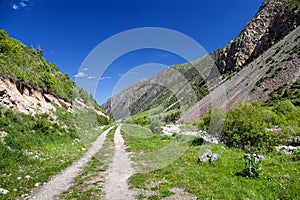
{"type": "Point", "coordinates": [214, 157]}
{"type": "Point", "coordinates": [170, 129]}
{"type": "Point", "coordinates": [293, 141]}
{"type": "Point", "coordinates": [3, 134]}
{"type": "Point", "coordinates": [287, 149]}
{"type": "Point", "coordinates": [205, 157]}
{"type": "Point", "coordinates": [276, 129]}
{"type": "Point", "coordinates": [3, 191]}
{"type": "Point", "coordinates": [260, 157]}
{"type": "Point", "coordinates": [6, 101]}
{"type": "Point", "coordinates": [37, 184]}
{"type": "Point", "coordinates": [2, 91]}
{"type": "Point", "coordinates": [256, 156]}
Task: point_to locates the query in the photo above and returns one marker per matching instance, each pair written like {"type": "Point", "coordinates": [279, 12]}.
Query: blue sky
{"type": "Point", "coordinates": [69, 30]}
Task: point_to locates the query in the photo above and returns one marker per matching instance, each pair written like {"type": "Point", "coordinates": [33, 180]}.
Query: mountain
{"type": "Point", "coordinates": [176, 90]}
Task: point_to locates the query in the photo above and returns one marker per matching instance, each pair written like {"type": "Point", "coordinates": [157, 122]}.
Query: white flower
{"type": "Point", "coordinates": [27, 177]}
{"type": "Point", "coordinates": [37, 184]}
{"type": "Point", "coordinates": [3, 191]}
{"type": "Point", "coordinates": [19, 178]}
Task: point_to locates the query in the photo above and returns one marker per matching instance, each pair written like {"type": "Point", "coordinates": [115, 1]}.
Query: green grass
{"type": "Point", "coordinates": [37, 148]}
{"type": "Point", "coordinates": [89, 184]}
{"type": "Point", "coordinates": [219, 180]}
{"type": "Point", "coordinates": [144, 118]}
{"type": "Point", "coordinates": [140, 139]}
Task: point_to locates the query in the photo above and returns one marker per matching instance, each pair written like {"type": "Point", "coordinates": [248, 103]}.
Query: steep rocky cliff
{"type": "Point", "coordinates": [274, 20]}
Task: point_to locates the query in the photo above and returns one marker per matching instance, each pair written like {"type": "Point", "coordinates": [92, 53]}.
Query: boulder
{"type": "Point", "coordinates": [205, 157]}
{"type": "Point", "coordinates": [214, 157]}
{"type": "Point", "coordinates": [287, 149]}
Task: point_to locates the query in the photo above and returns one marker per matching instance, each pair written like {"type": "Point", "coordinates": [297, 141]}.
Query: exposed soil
{"type": "Point", "coordinates": [115, 178]}
{"type": "Point", "coordinates": [63, 180]}
{"type": "Point", "coordinates": [116, 186]}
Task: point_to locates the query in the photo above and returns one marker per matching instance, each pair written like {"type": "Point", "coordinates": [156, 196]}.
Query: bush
{"type": "Point", "coordinates": [103, 120]}
{"type": "Point", "coordinates": [42, 124]}
{"type": "Point", "coordinates": [202, 124]}
{"type": "Point", "coordinates": [245, 126]}
{"type": "Point", "coordinates": [154, 125]}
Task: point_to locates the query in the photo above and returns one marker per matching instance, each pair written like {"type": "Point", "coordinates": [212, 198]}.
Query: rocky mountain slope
{"type": "Point", "coordinates": [274, 20]}
{"type": "Point", "coordinates": [268, 76]}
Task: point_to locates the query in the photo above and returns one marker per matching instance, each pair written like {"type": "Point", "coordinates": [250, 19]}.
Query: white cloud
{"type": "Point", "coordinates": [85, 69]}
{"type": "Point", "coordinates": [23, 4]}
{"type": "Point", "coordinates": [105, 77]}
{"type": "Point", "coordinates": [80, 75]}
{"type": "Point", "coordinates": [91, 77]}
{"type": "Point", "coordinates": [14, 6]}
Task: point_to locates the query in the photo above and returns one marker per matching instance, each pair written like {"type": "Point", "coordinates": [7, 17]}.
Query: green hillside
{"type": "Point", "coordinates": [29, 65]}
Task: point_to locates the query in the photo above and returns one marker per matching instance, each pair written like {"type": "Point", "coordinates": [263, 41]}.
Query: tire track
{"type": "Point", "coordinates": [116, 186]}
{"type": "Point", "coordinates": [63, 181]}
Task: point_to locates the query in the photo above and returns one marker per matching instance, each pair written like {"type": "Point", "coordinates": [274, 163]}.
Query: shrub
{"type": "Point", "coordinates": [197, 141]}
{"type": "Point", "coordinates": [202, 124]}
{"type": "Point", "coordinates": [245, 127]}
{"type": "Point", "coordinates": [103, 120]}
{"type": "Point", "coordinates": [154, 125]}
{"type": "Point", "coordinates": [253, 166]}
{"type": "Point", "coordinates": [142, 121]}
{"type": "Point", "coordinates": [42, 124]}
{"type": "Point", "coordinates": [296, 155]}
{"type": "Point", "coordinates": [3, 34]}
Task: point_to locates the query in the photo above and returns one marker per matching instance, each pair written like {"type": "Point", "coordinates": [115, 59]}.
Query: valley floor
{"type": "Point", "coordinates": [149, 170]}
